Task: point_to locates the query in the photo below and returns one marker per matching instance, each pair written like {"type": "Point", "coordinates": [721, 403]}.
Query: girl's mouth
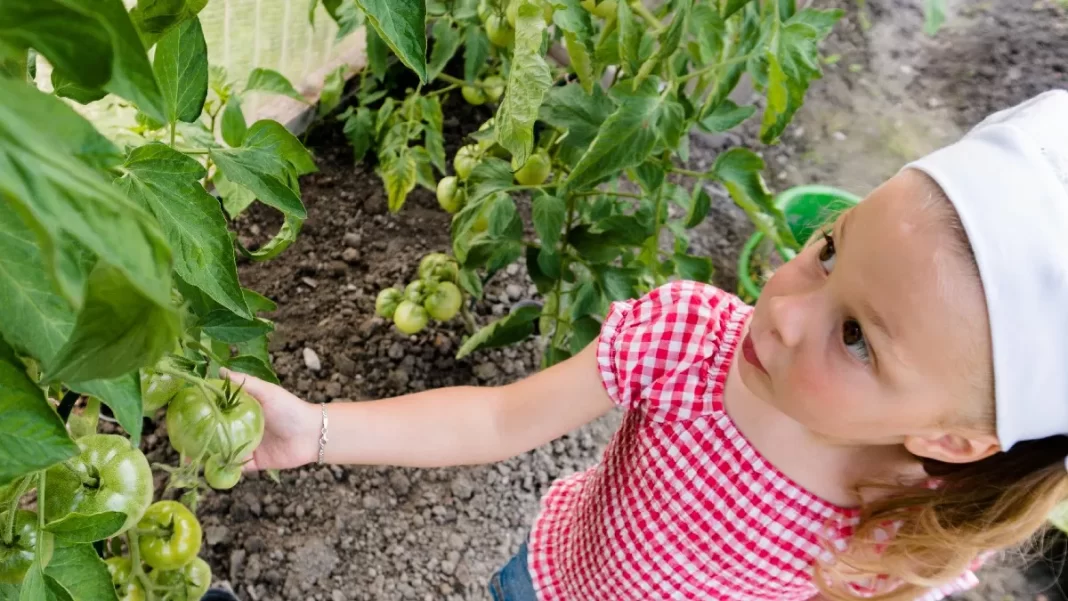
{"type": "Point", "coordinates": [750, 354]}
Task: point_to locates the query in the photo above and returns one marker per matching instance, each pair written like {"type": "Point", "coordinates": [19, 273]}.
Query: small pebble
{"type": "Point", "coordinates": [311, 360]}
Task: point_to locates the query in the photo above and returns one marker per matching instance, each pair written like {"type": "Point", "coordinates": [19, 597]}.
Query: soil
{"type": "Point", "coordinates": [387, 534]}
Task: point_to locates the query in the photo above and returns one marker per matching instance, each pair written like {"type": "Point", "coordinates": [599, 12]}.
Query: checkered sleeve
{"type": "Point", "coordinates": [656, 353]}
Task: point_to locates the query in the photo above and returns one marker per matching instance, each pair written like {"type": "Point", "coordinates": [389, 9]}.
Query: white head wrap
{"type": "Point", "coordinates": [1008, 180]}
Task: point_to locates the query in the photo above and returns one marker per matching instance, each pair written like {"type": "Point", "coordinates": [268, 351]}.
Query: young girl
{"type": "Point", "coordinates": [891, 410]}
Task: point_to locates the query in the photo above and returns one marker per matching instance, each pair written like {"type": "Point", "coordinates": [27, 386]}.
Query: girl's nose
{"type": "Point", "coordinates": [788, 315]}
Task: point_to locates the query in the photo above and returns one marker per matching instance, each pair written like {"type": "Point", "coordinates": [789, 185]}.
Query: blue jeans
{"type": "Point", "coordinates": [512, 582]}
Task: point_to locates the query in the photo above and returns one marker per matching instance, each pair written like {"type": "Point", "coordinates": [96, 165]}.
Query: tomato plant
{"type": "Point", "coordinates": [594, 103]}
{"type": "Point", "coordinates": [118, 278]}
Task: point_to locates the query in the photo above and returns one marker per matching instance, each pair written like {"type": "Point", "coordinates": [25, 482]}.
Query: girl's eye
{"type": "Point", "coordinates": [853, 338]}
{"type": "Point", "coordinates": [827, 253]}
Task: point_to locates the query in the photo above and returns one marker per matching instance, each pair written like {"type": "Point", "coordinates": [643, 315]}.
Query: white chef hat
{"type": "Point", "coordinates": [1008, 180]}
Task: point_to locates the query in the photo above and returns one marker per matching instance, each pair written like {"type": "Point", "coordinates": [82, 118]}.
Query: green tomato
{"type": "Point", "coordinates": [387, 302]}
{"type": "Point", "coordinates": [499, 32]}
{"type": "Point", "coordinates": [445, 302]}
{"type": "Point", "coordinates": [410, 318]}
{"type": "Point", "coordinates": [219, 475]}
{"type": "Point", "coordinates": [473, 95]}
{"type": "Point", "coordinates": [494, 88]}
{"type": "Point", "coordinates": [16, 558]}
{"type": "Point", "coordinates": [415, 292]}
{"type": "Point", "coordinates": [107, 475]}
{"type": "Point", "coordinates": [535, 171]}
{"type": "Point", "coordinates": [127, 587]}
{"type": "Point", "coordinates": [189, 583]}
{"type": "Point", "coordinates": [193, 428]}
{"type": "Point", "coordinates": [604, 10]}
{"type": "Point", "coordinates": [431, 262]}
{"type": "Point", "coordinates": [173, 535]}
{"type": "Point", "coordinates": [158, 389]}
{"type": "Point", "coordinates": [465, 160]}
{"type": "Point", "coordinates": [450, 196]}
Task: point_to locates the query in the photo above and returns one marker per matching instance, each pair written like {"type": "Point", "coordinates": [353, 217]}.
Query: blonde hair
{"type": "Point", "coordinates": [918, 536]}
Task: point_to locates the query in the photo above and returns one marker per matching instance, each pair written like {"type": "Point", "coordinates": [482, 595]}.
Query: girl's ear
{"type": "Point", "coordinates": [953, 448]}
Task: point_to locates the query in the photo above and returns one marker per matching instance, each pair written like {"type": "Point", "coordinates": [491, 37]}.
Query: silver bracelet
{"type": "Point", "coordinates": [322, 435]}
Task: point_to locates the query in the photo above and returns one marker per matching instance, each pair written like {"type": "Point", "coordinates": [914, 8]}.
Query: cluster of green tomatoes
{"type": "Point", "coordinates": [151, 546]}
{"type": "Point", "coordinates": [435, 294]}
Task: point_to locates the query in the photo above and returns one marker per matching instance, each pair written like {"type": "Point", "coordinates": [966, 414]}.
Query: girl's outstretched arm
{"type": "Point", "coordinates": [449, 426]}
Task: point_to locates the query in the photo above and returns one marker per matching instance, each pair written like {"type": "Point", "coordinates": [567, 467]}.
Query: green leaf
{"type": "Point", "coordinates": [286, 235]}
{"type": "Point", "coordinates": [233, 122]}
{"type": "Point", "coordinates": [235, 198]}
{"type": "Point", "coordinates": [580, 113]}
{"type": "Point", "coordinates": [670, 123]}
{"type": "Point", "coordinates": [528, 81]}
{"type": "Point", "coordinates": [435, 147]}
{"type": "Point", "coordinates": [167, 183]}
{"type": "Point", "coordinates": [726, 116]}
{"type": "Point", "coordinates": [934, 15]}
{"type": "Point", "coordinates": [81, 572]}
{"type": "Point", "coordinates": [39, 320]}
{"type": "Point", "coordinates": [62, 198]}
{"type": "Point", "coordinates": [510, 329]}
{"type": "Point", "coordinates": [476, 51]}
{"type": "Point", "coordinates": [668, 43]}
{"type": "Point", "coordinates": [346, 14]}
{"type": "Point", "coordinates": [447, 41]}
{"type": "Point", "coordinates": [708, 31]}
{"type": "Point", "coordinates": [330, 97]}
{"type": "Point", "coordinates": [64, 87]}
{"type": "Point", "coordinates": [569, 16]}
{"type": "Point", "coordinates": [9, 592]}
{"type": "Point", "coordinates": [32, 437]}
{"type": "Point", "coordinates": [619, 283]}
{"type": "Point", "coordinates": [224, 326]}
{"type": "Point", "coordinates": [793, 62]}
{"type": "Point", "coordinates": [33, 585]}
{"type": "Point", "coordinates": [82, 528]}
{"type": "Point", "coordinates": [549, 214]}
{"type": "Point", "coordinates": [698, 269]}
{"type": "Point", "coordinates": [504, 221]}
{"type": "Point", "coordinates": [253, 366]}
{"type": "Point", "coordinates": [273, 137]}
{"type": "Point", "coordinates": [257, 302]}
{"type": "Point", "coordinates": [398, 173]}
{"type": "Point", "coordinates": [181, 66]}
{"type": "Point", "coordinates": [594, 247]}
{"type": "Point", "coordinates": [739, 170]}
{"type": "Point", "coordinates": [625, 139]}
{"type": "Point", "coordinates": [263, 172]}
{"type": "Point", "coordinates": [630, 37]}
{"type": "Point", "coordinates": [155, 18]}
{"type": "Point", "coordinates": [700, 203]}
{"type": "Point", "coordinates": [542, 281]}
{"type": "Point", "coordinates": [650, 176]}
{"type": "Point", "coordinates": [56, 591]}
{"type": "Point", "coordinates": [402, 25]}
{"type": "Point", "coordinates": [583, 332]}
{"type": "Point", "coordinates": [117, 330]}
{"type": "Point", "coordinates": [733, 6]}
{"type": "Point", "coordinates": [377, 53]}
{"type": "Point", "coordinates": [490, 176]}
{"type": "Point", "coordinates": [72, 39]}
{"type": "Point", "coordinates": [269, 80]}
{"type": "Point", "coordinates": [581, 60]}
{"type": "Point", "coordinates": [587, 300]}
{"type": "Point", "coordinates": [471, 283]}
{"type": "Point", "coordinates": [360, 130]}
{"type": "Point", "coordinates": [132, 77]}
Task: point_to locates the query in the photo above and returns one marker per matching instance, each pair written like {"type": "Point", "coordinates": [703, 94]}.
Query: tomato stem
{"type": "Point", "coordinates": [716, 67]}
{"type": "Point", "coordinates": [88, 481]}
{"type": "Point", "coordinates": [650, 18]}
{"type": "Point", "coordinates": [40, 514]}
{"type": "Point", "coordinates": [9, 527]}
{"type": "Point", "coordinates": [135, 561]}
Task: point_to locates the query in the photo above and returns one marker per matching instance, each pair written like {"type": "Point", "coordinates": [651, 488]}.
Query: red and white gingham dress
{"type": "Point", "coordinates": [681, 505]}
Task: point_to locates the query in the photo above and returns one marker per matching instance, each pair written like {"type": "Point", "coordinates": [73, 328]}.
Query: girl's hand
{"type": "Point", "coordinates": [291, 426]}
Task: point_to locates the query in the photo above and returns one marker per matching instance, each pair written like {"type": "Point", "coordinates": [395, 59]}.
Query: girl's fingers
{"type": "Point", "coordinates": [250, 384]}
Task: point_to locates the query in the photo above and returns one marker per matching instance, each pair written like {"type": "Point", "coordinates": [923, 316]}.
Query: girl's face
{"type": "Point", "coordinates": [877, 333]}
